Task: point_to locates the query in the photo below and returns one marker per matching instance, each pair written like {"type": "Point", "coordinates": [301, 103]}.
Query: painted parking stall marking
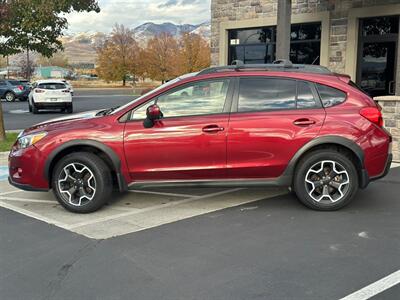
{"type": "Point", "coordinates": [375, 288]}
{"type": "Point", "coordinates": [131, 212]}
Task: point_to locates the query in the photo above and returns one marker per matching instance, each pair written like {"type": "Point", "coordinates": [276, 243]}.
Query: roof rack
{"type": "Point", "coordinates": [279, 65]}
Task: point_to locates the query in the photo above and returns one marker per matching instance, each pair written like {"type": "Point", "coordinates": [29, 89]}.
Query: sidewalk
{"type": "Point", "coordinates": [3, 166]}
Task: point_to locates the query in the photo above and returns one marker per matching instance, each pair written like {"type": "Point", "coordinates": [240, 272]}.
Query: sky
{"type": "Point", "coordinates": [132, 13]}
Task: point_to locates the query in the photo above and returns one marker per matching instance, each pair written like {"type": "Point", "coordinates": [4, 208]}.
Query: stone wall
{"type": "Point", "coordinates": [391, 115]}
{"type": "Point", "coordinates": [235, 10]}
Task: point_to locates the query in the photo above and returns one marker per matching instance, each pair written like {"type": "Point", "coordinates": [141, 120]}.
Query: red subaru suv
{"type": "Point", "coordinates": [281, 124]}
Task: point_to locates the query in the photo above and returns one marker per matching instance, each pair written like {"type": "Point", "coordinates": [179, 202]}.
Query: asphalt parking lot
{"type": "Point", "coordinates": [17, 115]}
{"type": "Point", "coordinates": [198, 243]}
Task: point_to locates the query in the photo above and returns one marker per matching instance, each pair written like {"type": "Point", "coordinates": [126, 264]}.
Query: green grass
{"type": "Point", "coordinates": [10, 139]}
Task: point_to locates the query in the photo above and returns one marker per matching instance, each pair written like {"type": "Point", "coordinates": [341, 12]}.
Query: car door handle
{"type": "Point", "coordinates": [304, 122]}
{"type": "Point", "coordinates": [213, 129]}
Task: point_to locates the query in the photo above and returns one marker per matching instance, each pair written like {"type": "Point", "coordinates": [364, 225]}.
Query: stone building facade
{"type": "Point", "coordinates": [355, 37]}
{"type": "Point", "coordinates": [339, 21]}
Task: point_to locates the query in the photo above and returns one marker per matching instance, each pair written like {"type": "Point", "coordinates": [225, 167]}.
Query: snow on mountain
{"type": "Point", "coordinates": [80, 47]}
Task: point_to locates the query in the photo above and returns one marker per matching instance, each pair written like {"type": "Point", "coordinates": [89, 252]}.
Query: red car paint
{"type": "Point", "coordinates": [231, 145]}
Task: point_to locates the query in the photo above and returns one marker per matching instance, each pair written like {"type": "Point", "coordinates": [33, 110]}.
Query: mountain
{"type": "Point", "coordinates": [80, 47]}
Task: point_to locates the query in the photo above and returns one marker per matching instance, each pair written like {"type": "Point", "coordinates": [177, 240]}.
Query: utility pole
{"type": "Point", "coordinates": [283, 29]}
{"type": "Point", "coordinates": [8, 67]}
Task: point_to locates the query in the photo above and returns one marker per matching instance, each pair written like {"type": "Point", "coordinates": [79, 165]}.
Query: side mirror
{"type": "Point", "coordinates": [153, 114]}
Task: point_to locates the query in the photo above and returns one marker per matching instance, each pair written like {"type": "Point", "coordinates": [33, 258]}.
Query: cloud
{"type": "Point", "coordinates": [134, 13]}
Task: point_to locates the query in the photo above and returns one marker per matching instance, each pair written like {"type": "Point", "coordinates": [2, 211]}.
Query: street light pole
{"type": "Point", "coordinates": [283, 29]}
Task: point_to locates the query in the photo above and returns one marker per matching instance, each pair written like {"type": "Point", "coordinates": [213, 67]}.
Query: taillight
{"type": "Point", "coordinates": [39, 91]}
{"type": "Point", "coordinates": [373, 114]}
{"type": "Point", "coordinates": [66, 91]}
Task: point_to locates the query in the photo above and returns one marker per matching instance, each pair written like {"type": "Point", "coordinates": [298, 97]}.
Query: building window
{"type": "Point", "coordinates": [258, 45]}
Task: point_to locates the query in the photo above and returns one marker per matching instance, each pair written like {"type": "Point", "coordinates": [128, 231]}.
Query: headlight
{"type": "Point", "coordinates": [30, 139]}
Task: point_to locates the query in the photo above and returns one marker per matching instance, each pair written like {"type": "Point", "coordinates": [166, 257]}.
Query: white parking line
{"type": "Point", "coordinates": [8, 193]}
{"type": "Point", "coordinates": [28, 200]}
{"type": "Point", "coordinates": [108, 218]}
{"type": "Point", "coordinates": [161, 193]}
{"type": "Point", "coordinates": [31, 214]}
{"type": "Point", "coordinates": [375, 288]}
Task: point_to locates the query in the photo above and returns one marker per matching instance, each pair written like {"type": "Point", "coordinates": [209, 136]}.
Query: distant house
{"type": "Point", "coordinates": [51, 72]}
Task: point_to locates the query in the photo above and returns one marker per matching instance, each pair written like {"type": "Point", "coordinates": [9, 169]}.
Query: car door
{"type": "Point", "coordinates": [273, 118]}
{"type": "Point", "coordinates": [189, 143]}
{"type": "Point", "coordinates": [3, 88]}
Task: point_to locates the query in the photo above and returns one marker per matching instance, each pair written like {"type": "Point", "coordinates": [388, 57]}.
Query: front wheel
{"type": "Point", "coordinates": [82, 182]}
{"type": "Point", "coordinates": [326, 180]}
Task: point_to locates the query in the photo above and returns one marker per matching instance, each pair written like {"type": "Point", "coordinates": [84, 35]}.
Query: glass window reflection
{"type": "Point", "coordinates": [258, 94]}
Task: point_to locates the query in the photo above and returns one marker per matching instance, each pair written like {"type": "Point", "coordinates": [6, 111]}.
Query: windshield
{"type": "Point", "coordinates": [155, 90]}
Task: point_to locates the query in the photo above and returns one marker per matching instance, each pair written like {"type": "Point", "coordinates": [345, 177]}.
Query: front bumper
{"type": "Point", "coordinates": [26, 187]}
{"type": "Point", "coordinates": [26, 169]}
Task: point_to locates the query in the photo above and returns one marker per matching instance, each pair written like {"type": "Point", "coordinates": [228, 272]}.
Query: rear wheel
{"type": "Point", "coordinates": [326, 180]}
{"type": "Point", "coordinates": [30, 107]}
{"type": "Point", "coordinates": [69, 109]}
{"type": "Point", "coordinates": [34, 108]}
{"type": "Point", "coordinates": [82, 182]}
{"type": "Point", "coordinates": [10, 97]}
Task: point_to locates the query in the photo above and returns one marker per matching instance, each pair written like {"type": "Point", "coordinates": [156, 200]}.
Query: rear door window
{"type": "Point", "coordinates": [52, 86]}
{"type": "Point", "coordinates": [330, 96]}
{"type": "Point", "coordinates": [260, 94]}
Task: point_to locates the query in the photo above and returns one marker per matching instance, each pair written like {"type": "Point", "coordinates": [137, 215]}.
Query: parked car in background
{"type": "Point", "coordinates": [297, 126]}
{"type": "Point", "coordinates": [49, 94]}
{"type": "Point", "coordinates": [11, 89]}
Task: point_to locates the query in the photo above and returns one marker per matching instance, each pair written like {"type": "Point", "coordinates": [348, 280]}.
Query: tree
{"type": "Point", "coordinates": [35, 25]}
{"type": "Point", "coordinates": [161, 58]}
{"type": "Point", "coordinates": [27, 66]}
{"type": "Point", "coordinates": [58, 59]}
{"type": "Point", "coordinates": [194, 53]}
{"type": "Point", "coordinates": [3, 62]}
{"type": "Point", "coordinates": [118, 56]}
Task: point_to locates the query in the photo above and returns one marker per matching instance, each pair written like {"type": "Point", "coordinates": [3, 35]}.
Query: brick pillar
{"type": "Point", "coordinates": [283, 29]}
{"type": "Point", "coordinates": [397, 75]}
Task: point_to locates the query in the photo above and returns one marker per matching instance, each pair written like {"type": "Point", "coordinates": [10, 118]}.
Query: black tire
{"type": "Point", "coordinates": [69, 109]}
{"type": "Point", "coordinates": [102, 176]}
{"type": "Point", "coordinates": [34, 108]}
{"type": "Point", "coordinates": [313, 160]}
{"type": "Point", "coordinates": [9, 96]}
{"type": "Point", "coordinates": [30, 107]}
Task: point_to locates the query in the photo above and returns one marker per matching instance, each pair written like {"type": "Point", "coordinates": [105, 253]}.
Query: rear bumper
{"type": "Point", "coordinates": [52, 104]}
{"type": "Point", "coordinates": [365, 179]}
{"type": "Point", "coordinates": [386, 170]}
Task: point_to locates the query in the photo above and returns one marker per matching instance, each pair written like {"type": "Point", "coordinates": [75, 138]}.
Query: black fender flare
{"type": "Point", "coordinates": [113, 157]}
{"type": "Point", "coordinates": [331, 139]}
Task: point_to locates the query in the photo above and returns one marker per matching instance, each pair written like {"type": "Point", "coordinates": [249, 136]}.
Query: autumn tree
{"type": "Point", "coordinates": [160, 58]}
{"type": "Point", "coordinates": [118, 56]}
{"type": "Point", "coordinates": [58, 59]}
{"type": "Point", "coordinates": [35, 25]}
{"type": "Point", "coordinates": [194, 53]}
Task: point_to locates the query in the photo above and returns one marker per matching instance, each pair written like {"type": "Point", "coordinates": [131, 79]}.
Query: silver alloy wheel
{"type": "Point", "coordinates": [327, 181]}
{"type": "Point", "coordinates": [9, 97]}
{"type": "Point", "coordinates": [77, 184]}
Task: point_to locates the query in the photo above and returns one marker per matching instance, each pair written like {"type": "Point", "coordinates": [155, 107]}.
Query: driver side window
{"type": "Point", "coordinates": [199, 98]}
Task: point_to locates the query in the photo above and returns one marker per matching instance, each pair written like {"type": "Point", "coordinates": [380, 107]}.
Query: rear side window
{"type": "Point", "coordinates": [330, 96]}
{"type": "Point", "coordinates": [257, 94]}
{"type": "Point", "coordinates": [305, 96]}
{"type": "Point", "coordinates": [52, 86]}
{"type": "Point", "coordinates": [14, 82]}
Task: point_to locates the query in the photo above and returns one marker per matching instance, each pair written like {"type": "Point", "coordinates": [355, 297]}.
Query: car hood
{"type": "Point", "coordinates": [63, 120]}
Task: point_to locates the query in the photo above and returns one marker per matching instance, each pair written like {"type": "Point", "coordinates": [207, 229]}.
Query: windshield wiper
{"type": "Point", "coordinates": [106, 112]}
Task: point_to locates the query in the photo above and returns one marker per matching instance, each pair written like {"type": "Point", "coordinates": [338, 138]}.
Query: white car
{"type": "Point", "coordinates": [48, 94]}
{"type": "Point", "coordinates": [71, 89]}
